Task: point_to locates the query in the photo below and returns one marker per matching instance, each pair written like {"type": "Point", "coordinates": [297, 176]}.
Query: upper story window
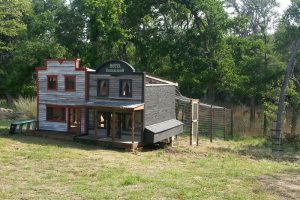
{"type": "Point", "coordinates": [52, 82]}
{"type": "Point", "coordinates": [70, 82]}
{"type": "Point", "coordinates": [103, 88]}
{"type": "Point", "coordinates": [125, 88]}
{"type": "Point", "coordinates": [57, 114]}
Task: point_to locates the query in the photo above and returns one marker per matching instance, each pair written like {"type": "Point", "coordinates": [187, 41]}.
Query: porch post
{"type": "Point", "coordinates": [79, 120]}
{"type": "Point", "coordinates": [113, 126]}
{"type": "Point", "coordinates": [132, 129]}
{"type": "Point", "coordinates": [95, 121]}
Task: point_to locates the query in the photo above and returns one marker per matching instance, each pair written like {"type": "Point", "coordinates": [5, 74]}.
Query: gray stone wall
{"type": "Point", "coordinates": [159, 103]}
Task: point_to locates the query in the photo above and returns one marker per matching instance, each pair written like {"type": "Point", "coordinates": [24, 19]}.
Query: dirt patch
{"type": "Point", "coordinates": [5, 113]}
{"type": "Point", "coordinates": [9, 114]}
{"type": "Point", "coordinates": [285, 185]}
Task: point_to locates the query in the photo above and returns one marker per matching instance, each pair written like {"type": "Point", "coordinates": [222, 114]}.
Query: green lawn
{"type": "Point", "coordinates": [4, 126]}
{"type": "Point", "coordinates": [38, 168]}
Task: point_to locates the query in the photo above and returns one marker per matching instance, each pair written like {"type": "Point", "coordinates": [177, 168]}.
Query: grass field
{"type": "Point", "coordinates": [38, 168]}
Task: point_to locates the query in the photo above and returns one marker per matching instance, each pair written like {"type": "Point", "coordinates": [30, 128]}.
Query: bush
{"type": "Point", "coordinates": [27, 106]}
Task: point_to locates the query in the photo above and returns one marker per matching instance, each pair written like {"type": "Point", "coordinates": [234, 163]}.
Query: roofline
{"type": "Point", "coordinates": [162, 80]}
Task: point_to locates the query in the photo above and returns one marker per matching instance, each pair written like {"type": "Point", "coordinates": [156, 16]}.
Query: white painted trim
{"type": "Point", "coordinates": [161, 84]}
{"type": "Point", "coordinates": [161, 80]}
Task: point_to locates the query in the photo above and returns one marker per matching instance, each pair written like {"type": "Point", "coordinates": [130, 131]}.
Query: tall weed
{"type": "Point", "coordinates": [27, 106]}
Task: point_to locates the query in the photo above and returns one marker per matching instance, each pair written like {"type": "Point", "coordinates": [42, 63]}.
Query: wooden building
{"type": "Point", "coordinates": [113, 104]}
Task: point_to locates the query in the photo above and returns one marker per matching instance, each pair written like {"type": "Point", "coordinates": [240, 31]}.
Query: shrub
{"type": "Point", "coordinates": [27, 106]}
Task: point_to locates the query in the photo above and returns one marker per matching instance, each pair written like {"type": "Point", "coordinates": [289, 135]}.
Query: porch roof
{"type": "Point", "coordinates": [123, 105]}
{"type": "Point", "coordinates": [163, 126]}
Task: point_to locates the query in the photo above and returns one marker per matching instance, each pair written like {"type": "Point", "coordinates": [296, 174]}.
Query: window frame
{"type": "Point", "coordinates": [74, 79]}
{"type": "Point", "coordinates": [56, 107]}
{"type": "Point", "coordinates": [120, 85]}
{"type": "Point", "coordinates": [98, 88]}
{"type": "Point", "coordinates": [56, 85]}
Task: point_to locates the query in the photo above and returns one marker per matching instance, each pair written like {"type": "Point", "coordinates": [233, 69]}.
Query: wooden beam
{"type": "Point", "coordinates": [95, 122]}
{"type": "Point", "coordinates": [113, 126]}
{"type": "Point", "coordinates": [79, 120]}
{"type": "Point", "coordinates": [132, 129]}
{"type": "Point", "coordinates": [141, 107]}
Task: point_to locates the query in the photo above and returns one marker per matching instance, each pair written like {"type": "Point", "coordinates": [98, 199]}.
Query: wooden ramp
{"type": "Point", "coordinates": [56, 135]}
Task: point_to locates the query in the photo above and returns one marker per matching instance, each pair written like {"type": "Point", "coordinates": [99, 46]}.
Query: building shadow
{"type": "Point", "coordinates": [284, 184]}
{"type": "Point", "coordinates": [263, 151]}
{"type": "Point", "coordinates": [27, 139]}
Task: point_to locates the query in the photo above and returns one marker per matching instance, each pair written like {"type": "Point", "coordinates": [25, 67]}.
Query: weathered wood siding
{"type": "Point", "coordinates": [159, 103]}
{"type": "Point", "coordinates": [114, 87]}
{"type": "Point", "coordinates": [51, 126]}
{"type": "Point", "coordinates": [60, 97]}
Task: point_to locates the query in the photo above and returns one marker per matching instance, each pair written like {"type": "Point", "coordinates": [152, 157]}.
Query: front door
{"type": "Point", "coordinates": [74, 120]}
{"type": "Point", "coordinates": [114, 121]}
{"type": "Point", "coordinates": [103, 122]}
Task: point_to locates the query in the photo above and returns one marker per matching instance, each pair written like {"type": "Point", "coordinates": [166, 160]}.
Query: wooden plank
{"type": "Point", "coordinates": [113, 126]}
{"type": "Point", "coordinates": [132, 128]}
{"type": "Point", "coordinates": [137, 86]}
{"type": "Point", "coordinates": [95, 122]}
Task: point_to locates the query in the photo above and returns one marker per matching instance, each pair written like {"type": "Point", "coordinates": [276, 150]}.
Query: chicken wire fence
{"type": "Point", "coordinates": [203, 119]}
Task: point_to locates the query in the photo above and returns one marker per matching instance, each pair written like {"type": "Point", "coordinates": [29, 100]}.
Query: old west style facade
{"type": "Point", "coordinates": [113, 103]}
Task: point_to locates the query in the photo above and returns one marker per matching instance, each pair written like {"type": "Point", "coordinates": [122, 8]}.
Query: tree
{"type": "Point", "coordinates": [291, 29]}
{"type": "Point", "coordinates": [12, 27]}
{"type": "Point", "coordinates": [30, 48]}
{"type": "Point", "coordinates": [253, 19]}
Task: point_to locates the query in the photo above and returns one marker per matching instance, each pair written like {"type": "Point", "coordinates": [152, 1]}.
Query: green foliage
{"type": "Point", "coordinates": [12, 25]}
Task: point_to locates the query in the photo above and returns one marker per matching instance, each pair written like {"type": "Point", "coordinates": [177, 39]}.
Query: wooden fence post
{"type": "Point", "coordinates": [224, 122]}
{"type": "Point", "coordinates": [211, 121]}
{"type": "Point", "coordinates": [231, 123]}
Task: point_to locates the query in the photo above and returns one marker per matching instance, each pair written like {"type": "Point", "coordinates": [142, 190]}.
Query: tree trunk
{"type": "Point", "coordinates": [252, 113]}
{"type": "Point", "coordinates": [123, 52]}
{"type": "Point", "coordinates": [265, 125]}
{"type": "Point", "coordinates": [211, 93]}
{"type": "Point", "coordinates": [281, 100]}
{"type": "Point", "coordinates": [294, 121]}
{"type": "Point", "coordinates": [9, 99]}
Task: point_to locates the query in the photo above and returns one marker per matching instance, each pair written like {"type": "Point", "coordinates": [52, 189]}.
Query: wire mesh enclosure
{"type": "Point", "coordinates": [215, 121]}
{"type": "Point", "coordinates": [203, 119]}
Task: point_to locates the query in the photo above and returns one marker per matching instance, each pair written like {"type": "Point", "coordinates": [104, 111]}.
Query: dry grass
{"type": "Point", "coordinates": [37, 168]}
{"type": "Point", "coordinates": [27, 106]}
{"type": "Point", "coordinates": [241, 119]}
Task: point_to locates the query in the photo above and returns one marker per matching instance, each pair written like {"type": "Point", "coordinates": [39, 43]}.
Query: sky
{"type": "Point", "coordinates": [283, 5]}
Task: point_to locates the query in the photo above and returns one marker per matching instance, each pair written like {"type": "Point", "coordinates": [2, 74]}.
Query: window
{"type": "Point", "coordinates": [103, 86]}
{"type": "Point", "coordinates": [52, 82]}
{"type": "Point", "coordinates": [101, 120]}
{"type": "Point", "coordinates": [57, 114]}
{"type": "Point", "coordinates": [125, 88]}
{"type": "Point", "coordinates": [126, 122]}
{"type": "Point", "coordinates": [70, 82]}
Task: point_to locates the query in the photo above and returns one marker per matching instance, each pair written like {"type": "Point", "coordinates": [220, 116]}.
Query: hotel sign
{"type": "Point", "coordinates": [115, 68]}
